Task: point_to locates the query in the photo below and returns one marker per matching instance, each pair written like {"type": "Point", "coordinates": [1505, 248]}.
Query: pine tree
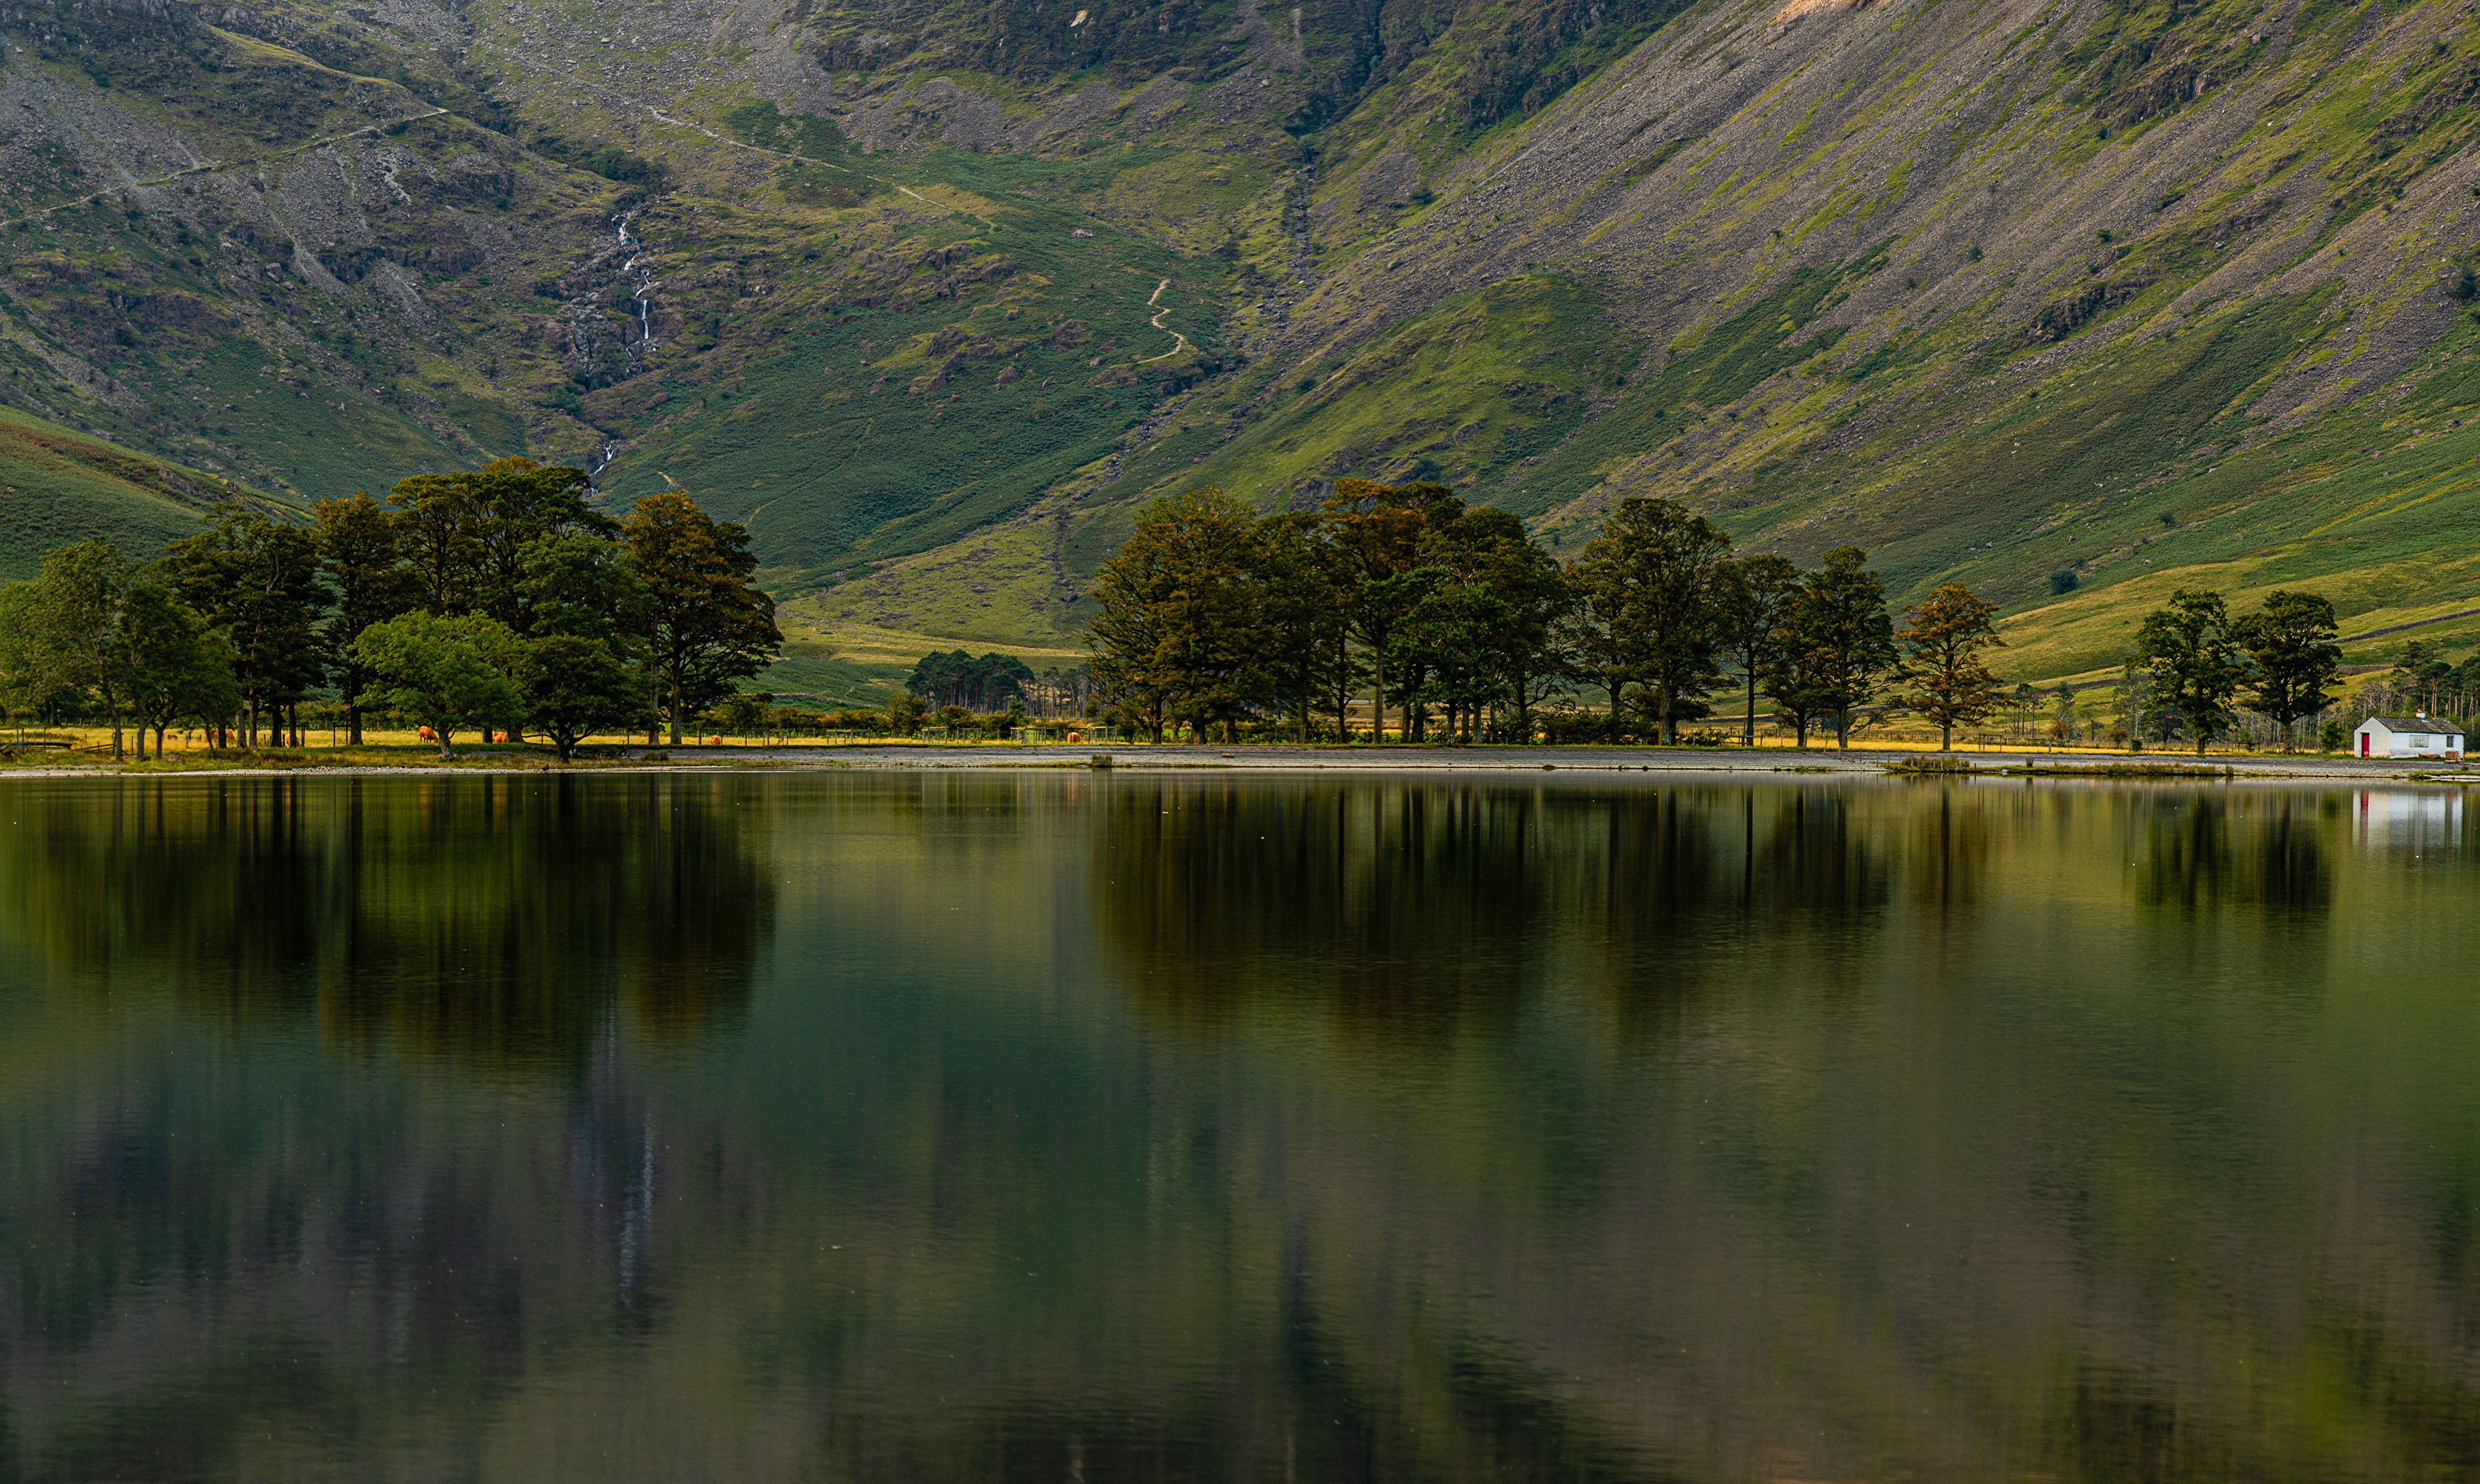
{"type": "Point", "coordinates": [2195, 660]}
{"type": "Point", "coordinates": [2292, 658]}
{"type": "Point", "coordinates": [1838, 642]}
{"type": "Point", "coordinates": [1656, 578]}
{"type": "Point", "coordinates": [361, 551]}
{"type": "Point", "coordinates": [706, 624]}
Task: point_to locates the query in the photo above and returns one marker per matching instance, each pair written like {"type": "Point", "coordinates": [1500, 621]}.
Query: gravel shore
{"type": "Point", "coordinates": [1260, 758]}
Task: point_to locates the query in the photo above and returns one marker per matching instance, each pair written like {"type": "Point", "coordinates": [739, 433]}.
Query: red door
{"type": "Point", "coordinates": [2363, 744]}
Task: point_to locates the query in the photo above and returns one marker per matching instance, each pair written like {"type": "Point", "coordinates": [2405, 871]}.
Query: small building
{"type": "Point", "coordinates": [2410, 736]}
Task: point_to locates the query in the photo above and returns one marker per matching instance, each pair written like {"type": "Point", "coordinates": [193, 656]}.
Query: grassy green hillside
{"type": "Point", "coordinates": [56, 487]}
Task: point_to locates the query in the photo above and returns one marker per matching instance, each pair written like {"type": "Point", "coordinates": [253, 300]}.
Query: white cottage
{"type": "Point", "coordinates": [2410, 736]}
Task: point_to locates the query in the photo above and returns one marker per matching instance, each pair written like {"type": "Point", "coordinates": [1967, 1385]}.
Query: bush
{"type": "Point", "coordinates": [1569, 729]}
{"type": "Point", "coordinates": [874, 723]}
{"type": "Point", "coordinates": [2333, 737]}
{"type": "Point", "coordinates": [2063, 582]}
{"type": "Point", "coordinates": [613, 163]}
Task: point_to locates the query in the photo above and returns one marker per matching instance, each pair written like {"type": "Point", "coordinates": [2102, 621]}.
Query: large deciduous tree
{"type": "Point", "coordinates": [1951, 685]}
{"type": "Point", "coordinates": [1177, 631]}
{"type": "Point", "coordinates": [2292, 658]}
{"type": "Point", "coordinates": [575, 688]}
{"type": "Point", "coordinates": [176, 666]}
{"type": "Point", "coordinates": [1307, 642]}
{"type": "Point", "coordinates": [2195, 660]}
{"type": "Point", "coordinates": [706, 624]}
{"type": "Point", "coordinates": [78, 608]}
{"type": "Point", "coordinates": [1496, 630]}
{"type": "Point", "coordinates": [449, 673]}
{"type": "Point", "coordinates": [439, 520]}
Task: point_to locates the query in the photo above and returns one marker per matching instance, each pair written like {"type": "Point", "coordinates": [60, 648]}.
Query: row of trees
{"type": "Point", "coordinates": [1452, 614]}
{"type": "Point", "coordinates": [991, 684]}
{"type": "Point", "coordinates": [2194, 659]}
{"type": "Point", "coordinates": [496, 598]}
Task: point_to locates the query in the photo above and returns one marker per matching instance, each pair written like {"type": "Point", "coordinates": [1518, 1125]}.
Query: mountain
{"type": "Point", "coordinates": [933, 293]}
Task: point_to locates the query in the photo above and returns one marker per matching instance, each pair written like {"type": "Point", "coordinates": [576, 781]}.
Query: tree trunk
{"type": "Point", "coordinates": [1749, 736]}
{"type": "Point", "coordinates": [1843, 728]}
{"type": "Point", "coordinates": [1669, 715]}
{"type": "Point", "coordinates": [353, 718]}
{"type": "Point", "coordinates": [676, 708]}
{"type": "Point", "coordinates": [159, 743]}
{"type": "Point", "coordinates": [1946, 736]}
{"type": "Point", "coordinates": [1377, 699]}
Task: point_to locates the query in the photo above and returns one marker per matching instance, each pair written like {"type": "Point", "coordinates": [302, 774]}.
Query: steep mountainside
{"type": "Point", "coordinates": [932, 294]}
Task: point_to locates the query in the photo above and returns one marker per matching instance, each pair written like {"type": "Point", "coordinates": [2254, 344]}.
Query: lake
{"type": "Point", "coordinates": [1138, 1126]}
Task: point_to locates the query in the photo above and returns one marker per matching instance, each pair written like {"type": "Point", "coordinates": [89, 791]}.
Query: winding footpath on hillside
{"type": "Point", "coordinates": [1181, 340]}
{"type": "Point", "coordinates": [210, 167]}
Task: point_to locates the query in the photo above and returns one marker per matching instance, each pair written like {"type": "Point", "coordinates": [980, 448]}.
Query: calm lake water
{"type": "Point", "coordinates": [1118, 1127]}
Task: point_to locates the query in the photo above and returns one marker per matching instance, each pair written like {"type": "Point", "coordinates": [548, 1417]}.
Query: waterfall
{"type": "Point", "coordinates": [636, 269]}
{"type": "Point", "coordinates": [624, 258]}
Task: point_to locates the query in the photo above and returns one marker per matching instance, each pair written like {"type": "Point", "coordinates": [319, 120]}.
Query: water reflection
{"type": "Point", "coordinates": [483, 923]}
{"type": "Point", "coordinates": [1404, 910]}
{"type": "Point", "coordinates": [2205, 851]}
{"type": "Point", "coordinates": [1043, 1127]}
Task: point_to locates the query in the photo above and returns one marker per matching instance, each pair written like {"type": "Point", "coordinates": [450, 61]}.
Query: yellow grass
{"type": "Point", "coordinates": [2090, 633]}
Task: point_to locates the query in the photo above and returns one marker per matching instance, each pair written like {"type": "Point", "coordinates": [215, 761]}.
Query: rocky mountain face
{"type": "Point", "coordinates": [2032, 293]}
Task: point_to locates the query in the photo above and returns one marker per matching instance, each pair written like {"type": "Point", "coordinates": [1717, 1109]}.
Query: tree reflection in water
{"type": "Point", "coordinates": [490, 925]}
{"type": "Point", "coordinates": [1071, 1126]}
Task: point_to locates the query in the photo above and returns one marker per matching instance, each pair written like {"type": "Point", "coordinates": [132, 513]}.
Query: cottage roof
{"type": "Point", "coordinates": [2434, 726]}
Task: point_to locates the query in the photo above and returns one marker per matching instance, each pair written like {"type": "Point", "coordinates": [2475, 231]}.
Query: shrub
{"type": "Point", "coordinates": [2064, 582]}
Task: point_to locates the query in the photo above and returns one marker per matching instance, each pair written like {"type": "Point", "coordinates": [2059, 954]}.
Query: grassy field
{"type": "Point", "coordinates": [833, 662]}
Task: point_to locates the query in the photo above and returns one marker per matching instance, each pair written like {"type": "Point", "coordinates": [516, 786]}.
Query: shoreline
{"type": "Point", "coordinates": [1287, 758]}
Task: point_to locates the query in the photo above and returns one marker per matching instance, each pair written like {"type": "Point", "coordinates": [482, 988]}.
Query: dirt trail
{"type": "Point", "coordinates": [210, 165]}
{"type": "Point", "coordinates": [1158, 323]}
